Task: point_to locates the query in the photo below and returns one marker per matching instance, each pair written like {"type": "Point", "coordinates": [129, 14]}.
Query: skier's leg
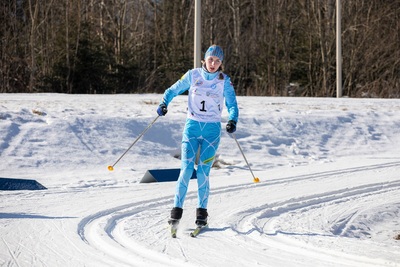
{"type": "Point", "coordinates": [188, 157]}
{"type": "Point", "coordinates": [208, 150]}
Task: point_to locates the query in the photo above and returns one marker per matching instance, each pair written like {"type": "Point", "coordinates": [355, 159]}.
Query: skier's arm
{"type": "Point", "coordinates": [230, 100]}
{"type": "Point", "coordinates": [182, 85]}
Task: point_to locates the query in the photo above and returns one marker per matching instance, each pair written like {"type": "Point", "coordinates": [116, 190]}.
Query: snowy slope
{"type": "Point", "coordinates": [328, 192]}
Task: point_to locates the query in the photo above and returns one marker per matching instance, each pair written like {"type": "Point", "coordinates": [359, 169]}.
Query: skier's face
{"type": "Point", "coordinates": [213, 63]}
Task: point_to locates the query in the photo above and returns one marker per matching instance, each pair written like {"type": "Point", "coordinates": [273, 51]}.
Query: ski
{"type": "Point", "coordinates": [173, 228]}
{"type": "Point", "coordinates": [198, 230]}
{"type": "Point", "coordinates": [173, 231]}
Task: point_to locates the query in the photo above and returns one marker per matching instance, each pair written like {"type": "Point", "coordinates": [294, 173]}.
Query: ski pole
{"type": "Point", "coordinates": [255, 179]}
{"type": "Point", "coordinates": [111, 167]}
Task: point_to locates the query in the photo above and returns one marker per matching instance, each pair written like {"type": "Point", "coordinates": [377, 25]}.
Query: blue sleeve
{"type": "Point", "coordinates": [182, 85]}
{"type": "Point", "coordinates": [230, 100]}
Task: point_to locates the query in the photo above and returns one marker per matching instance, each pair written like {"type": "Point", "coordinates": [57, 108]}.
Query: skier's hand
{"type": "Point", "coordinates": [231, 126]}
{"type": "Point", "coordinates": [162, 109]}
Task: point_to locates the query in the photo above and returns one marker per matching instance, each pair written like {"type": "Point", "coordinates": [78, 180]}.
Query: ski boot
{"type": "Point", "coordinates": [201, 221]}
{"type": "Point", "coordinates": [176, 215]}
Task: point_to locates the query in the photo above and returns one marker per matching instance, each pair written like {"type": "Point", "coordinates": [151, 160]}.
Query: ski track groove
{"type": "Point", "coordinates": [108, 222]}
{"type": "Point", "coordinates": [35, 256]}
{"type": "Point", "coordinates": [273, 210]}
{"type": "Point", "coordinates": [111, 219]}
{"type": "Point", "coordinates": [67, 238]}
{"type": "Point", "coordinates": [250, 225]}
{"type": "Point", "coordinates": [182, 250]}
{"type": "Point", "coordinates": [13, 256]}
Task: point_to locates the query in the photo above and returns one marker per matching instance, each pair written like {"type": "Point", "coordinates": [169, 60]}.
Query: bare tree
{"type": "Point", "coordinates": [125, 46]}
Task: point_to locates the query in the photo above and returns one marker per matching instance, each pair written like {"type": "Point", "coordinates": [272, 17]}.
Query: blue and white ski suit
{"type": "Point", "coordinates": [207, 94]}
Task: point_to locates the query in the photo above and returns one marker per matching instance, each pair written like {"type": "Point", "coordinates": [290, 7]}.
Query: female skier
{"type": "Point", "coordinates": [208, 88]}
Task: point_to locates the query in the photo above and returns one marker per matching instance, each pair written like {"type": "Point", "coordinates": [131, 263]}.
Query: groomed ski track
{"type": "Point", "coordinates": [309, 228]}
{"type": "Point", "coordinates": [329, 192]}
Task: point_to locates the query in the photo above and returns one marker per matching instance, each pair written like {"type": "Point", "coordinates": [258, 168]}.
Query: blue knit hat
{"type": "Point", "coordinates": [216, 51]}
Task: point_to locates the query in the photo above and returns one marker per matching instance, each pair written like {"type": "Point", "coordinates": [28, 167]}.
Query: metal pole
{"type": "Point", "coordinates": [197, 33]}
{"type": "Point", "coordinates": [111, 167]}
{"type": "Point", "coordinates": [338, 50]}
{"type": "Point", "coordinates": [255, 179]}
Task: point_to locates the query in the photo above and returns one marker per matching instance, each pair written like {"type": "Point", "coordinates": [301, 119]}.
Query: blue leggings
{"type": "Point", "coordinates": [206, 136]}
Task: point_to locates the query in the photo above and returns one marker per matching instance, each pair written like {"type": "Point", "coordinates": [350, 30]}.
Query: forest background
{"type": "Point", "coordinates": [272, 47]}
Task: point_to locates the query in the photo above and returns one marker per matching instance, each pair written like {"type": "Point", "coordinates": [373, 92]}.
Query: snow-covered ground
{"type": "Point", "coordinates": [329, 191]}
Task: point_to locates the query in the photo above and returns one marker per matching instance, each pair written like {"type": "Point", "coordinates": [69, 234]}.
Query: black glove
{"type": "Point", "coordinates": [162, 109]}
{"type": "Point", "coordinates": [231, 126]}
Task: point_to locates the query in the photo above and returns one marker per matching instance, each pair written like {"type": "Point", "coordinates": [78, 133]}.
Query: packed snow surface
{"type": "Point", "coordinates": [329, 190]}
